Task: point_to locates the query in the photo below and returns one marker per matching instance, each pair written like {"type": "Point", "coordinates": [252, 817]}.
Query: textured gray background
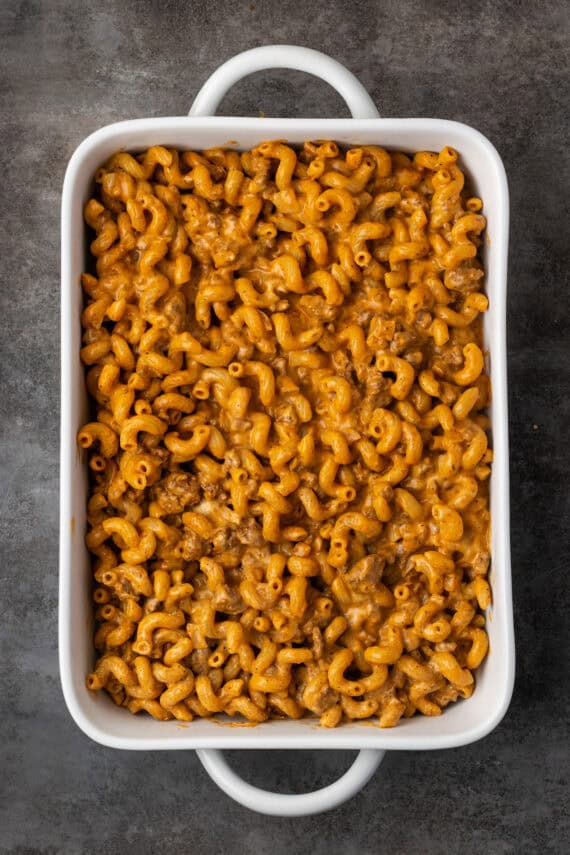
{"type": "Point", "coordinates": [68, 68]}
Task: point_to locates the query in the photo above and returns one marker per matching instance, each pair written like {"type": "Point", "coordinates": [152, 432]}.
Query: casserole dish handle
{"type": "Point", "coordinates": [361, 106]}
{"type": "Point", "coordinates": [282, 804]}
{"type": "Point", "coordinates": [313, 62]}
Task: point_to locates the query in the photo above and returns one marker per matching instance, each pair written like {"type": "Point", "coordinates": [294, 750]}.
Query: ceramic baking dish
{"type": "Point", "coordinates": [95, 714]}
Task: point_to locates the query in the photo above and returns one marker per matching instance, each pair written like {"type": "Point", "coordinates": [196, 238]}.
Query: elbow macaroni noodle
{"type": "Point", "coordinates": [289, 461]}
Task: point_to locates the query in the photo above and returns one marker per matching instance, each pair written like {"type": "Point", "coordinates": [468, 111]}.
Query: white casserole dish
{"type": "Point", "coordinates": [96, 715]}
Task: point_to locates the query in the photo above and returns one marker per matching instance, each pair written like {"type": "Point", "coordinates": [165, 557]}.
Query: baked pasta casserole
{"type": "Point", "coordinates": [288, 511]}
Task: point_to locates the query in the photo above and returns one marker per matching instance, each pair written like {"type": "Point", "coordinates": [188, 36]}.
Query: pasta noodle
{"type": "Point", "coordinates": [289, 455]}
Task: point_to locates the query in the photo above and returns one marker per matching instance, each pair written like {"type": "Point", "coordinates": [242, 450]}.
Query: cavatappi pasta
{"type": "Point", "coordinates": [289, 461]}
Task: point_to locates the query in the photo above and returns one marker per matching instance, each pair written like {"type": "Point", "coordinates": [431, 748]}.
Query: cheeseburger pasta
{"type": "Point", "coordinates": [288, 456]}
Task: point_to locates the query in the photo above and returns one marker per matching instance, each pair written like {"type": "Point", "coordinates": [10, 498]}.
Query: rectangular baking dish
{"type": "Point", "coordinates": [96, 715]}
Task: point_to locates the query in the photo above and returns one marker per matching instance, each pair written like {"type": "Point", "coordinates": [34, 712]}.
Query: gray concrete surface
{"type": "Point", "coordinates": [68, 68]}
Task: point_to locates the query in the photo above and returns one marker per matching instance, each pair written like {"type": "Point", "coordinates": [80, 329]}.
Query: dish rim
{"type": "Point", "coordinates": [306, 732]}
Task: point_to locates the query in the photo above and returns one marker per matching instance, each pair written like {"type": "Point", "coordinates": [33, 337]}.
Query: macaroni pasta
{"type": "Point", "coordinates": [289, 458]}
